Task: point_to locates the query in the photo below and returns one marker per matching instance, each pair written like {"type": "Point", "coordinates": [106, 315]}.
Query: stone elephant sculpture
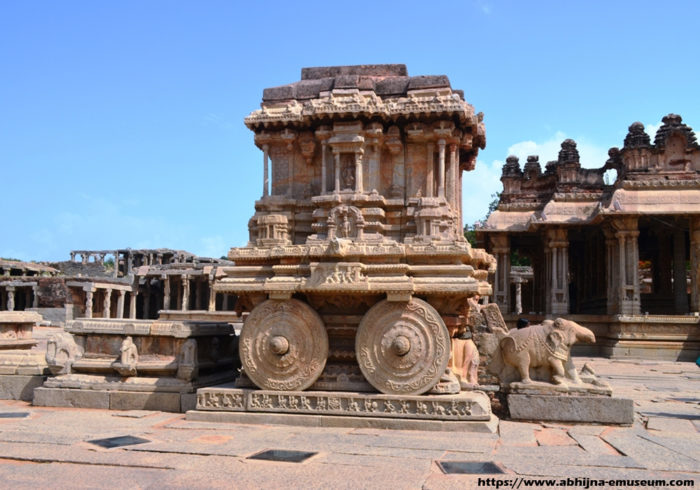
{"type": "Point", "coordinates": [543, 349]}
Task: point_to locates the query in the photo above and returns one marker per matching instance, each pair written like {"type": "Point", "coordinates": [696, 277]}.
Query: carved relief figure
{"type": "Point", "coordinates": [61, 353]}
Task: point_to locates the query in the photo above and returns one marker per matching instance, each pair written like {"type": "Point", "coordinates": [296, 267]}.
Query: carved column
{"type": "Point", "coordinates": [324, 151]}
{"type": "Point", "coordinates": [185, 292]}
{"type": "Point", "coordinates": [359, 187]}
{"type": "Point", "coordinates": [518, 295]}
{"type": "Point", "coordinates": [10, 298]}
{"type": "Point", "coordinates": [336, 187]}
{"type": "Point", "coordinates": [35, 297]}
{"type": "Point", "coordinates": [558, 279]}
{"type": "Point", "coordinates": [680, 285]}
{"type": "Point", "coordinates": [452, 177]}
{"type": "Point", "coordinates": [429, 179]}
{"type": "Point", "coordinates": [626, 232]}
{"type": "Point", "coordinates": [500, 248]}
{"type": "Point", "coordinates": [166, 292]}
{"type": "Point", "coordinates": [695, 263]}
{"type": "Point", "coordinates": [266, 179]}
{"type": "Point", "coordinates": [107, 306]}
{"type": "Point", "coordinates": [441, 168]}
{"type": "Point", "coordinates": [88, 304]}
{"type": "Point", "coordinates": [120, 304]}
{"type": "Point", "coordinates": [132, 300]}
{"type": "Point", "coordinates": [612, 270]}
{"type": "Point", "coordinates": [212, 296]}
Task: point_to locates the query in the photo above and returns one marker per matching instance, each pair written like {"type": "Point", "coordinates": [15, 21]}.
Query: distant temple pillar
{"type": "Point", "coordinates": [612, 271]}
{"type": "Point", "coordinates": [441, 168]}
{"type": "Point", "coordinates": [324, 151]}
{"type": "Point", "coordinates": [266, 180]}
{"type": "Point", "coordinates": [680, 286]}
{"type": "Point", "coordinates": [10, 298]}
{"type": "Point", "coordinates": [518, 295]}
{"type": "Point", "coordinates": [185, 292]}
{"type": "Point", "coordinates": [695, 263]}
{"type": "Point", "coordinates": [166, 292]}
{"type": "Point", "coordinates": [35, 297]}
{"type": "Point", "coordinates": [147, 300]}
{"type": "Point", "coordinates": [557, 255]}
{"type": "Point", "coordinates": [430, 163]}
{"type": "Point", "coordinates": [88, 303]}
{"type": "Point", "coordinates": [336, 185]}
{"type": "Point", "coordinates": [212, 295]}
{"type": "Point", "coordinates": [107, 305]}
{"type": "Point", "coordinates": [500, 248]}
{"type": "Point", "coordinates": [626, 233]}
{"type": "Point", "coordinates": [132, 300]}
{"type": "Point", "coordinates": [120, 304]}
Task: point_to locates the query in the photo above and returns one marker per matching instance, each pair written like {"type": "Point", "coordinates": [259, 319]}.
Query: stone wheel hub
{"type": "Point", "coordinates": [283, 345]}
{"type": "Point", "coordinates": [402, 347]}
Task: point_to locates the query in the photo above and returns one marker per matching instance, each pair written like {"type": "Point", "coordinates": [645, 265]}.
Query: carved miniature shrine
{"type": "Point", "coordinates": [22, 368]}
{"type": "Point", "coordinates": [357, 273]}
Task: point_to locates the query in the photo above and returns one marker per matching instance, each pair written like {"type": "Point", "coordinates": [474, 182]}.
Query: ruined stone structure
{"type": "Point", "coordinates": [21, 367]}
{"type": "Point", "coordinates": [623, 255]}
{"type": "Point", "coordinates": [356, 263]}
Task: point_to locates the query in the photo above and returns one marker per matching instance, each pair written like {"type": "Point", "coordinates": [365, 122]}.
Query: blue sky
{"type": "Point", "coordinates": [122, 122]}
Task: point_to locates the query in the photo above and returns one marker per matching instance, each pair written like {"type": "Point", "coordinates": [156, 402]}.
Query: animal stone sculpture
{"type": "Point", "coordinates": [541, 351]}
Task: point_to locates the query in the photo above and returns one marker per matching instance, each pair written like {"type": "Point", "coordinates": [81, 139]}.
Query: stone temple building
{"type": "Point", "coordinates": [621, 256]}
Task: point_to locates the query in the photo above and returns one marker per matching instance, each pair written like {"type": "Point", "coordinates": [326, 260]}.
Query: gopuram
{"type": "Point", "coordinates": [357, 275]}
{"type": "Point", "coordinates": [622, 257]}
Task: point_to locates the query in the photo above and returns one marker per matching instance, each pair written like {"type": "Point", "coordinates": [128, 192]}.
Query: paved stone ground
{"type": "Point", "coordinates": [49, 448]}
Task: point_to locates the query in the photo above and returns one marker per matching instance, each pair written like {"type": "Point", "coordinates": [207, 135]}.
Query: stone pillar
{"type": "Point", "coordinates": [558, 279]}
{"type": "Point", "coordinates": [120, 304]}
{"type": "Point", "coordinates": [695, 263]}
{"type": "Point", "coordinates": [128, 258]}
{"type": "Point", "coordinates": [626, 233]}
{"type": "Point", "coordinates": [429, 178]}
{"type": "Point", "coordinates": [680, 285]}
{"type": "Point", "coordinates": [359, 187]}
{"type": "Point", "coordinates": [612, 271]}
{"type": "Point", "coordinates": [88, 303]}
{"type": "Point", "coordinates": [212, 296]}
{"type": "Point", "coordinates": [518, 295]}
{"type": "Point", "coordinates": [72, 256]}
{"type": "Point", "coordinates": [107, 305]}
{"type": "Point", "coordinates": [266, 181]}
{"type": "Point", "coordinates": [324, 151]}
{"type": "Point", "coordinates": [35, 297]}
{"type": "Point", "coordinates": [132, 300]}
{"type": "Point", "coordinates": [336, 186]}
{"type": "Point", "coordinates": [441, 168]}
{"type": "Point", "coordinates": [451, 177]}
{"type": "Point", "coordinates": [166, 292]}
{"type": "Point", "coordinates": [10, 298]}
{"type": "Point", "coordinates": [185, 292]}
{"type": "Point", "coordinates": [500, 248]}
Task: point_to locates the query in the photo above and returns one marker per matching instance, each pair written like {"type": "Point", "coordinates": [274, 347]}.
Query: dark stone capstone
{"type": "Point", "coordinates": [637, 137]}
{"type": "Point", "coordinates": [568, 152]}
{"type": "Point", "coordinates": [511, 167]}
{"type": "Point", "coordinates": [673, 123]}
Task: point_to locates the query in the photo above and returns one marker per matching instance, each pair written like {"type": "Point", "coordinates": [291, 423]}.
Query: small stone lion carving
{"type": "Point", "coordinates": [61, 353]}
{"type": "Point", "coordinates": [541, 351]}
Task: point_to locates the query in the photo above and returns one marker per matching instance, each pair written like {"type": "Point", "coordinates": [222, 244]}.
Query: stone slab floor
{"type": "Point", "coordinates": [49, 448]}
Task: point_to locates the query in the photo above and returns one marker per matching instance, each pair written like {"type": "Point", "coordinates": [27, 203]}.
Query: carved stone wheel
{"type": "Point", "coordinates": [283, 345]}
{"type": "Point", "coordinates": [402, 347]}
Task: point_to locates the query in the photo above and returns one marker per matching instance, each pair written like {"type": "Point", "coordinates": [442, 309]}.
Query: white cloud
{"type": "Point", "coordinates": [651, 129]}
{"type": "Point", "coordinates": [592, 156]}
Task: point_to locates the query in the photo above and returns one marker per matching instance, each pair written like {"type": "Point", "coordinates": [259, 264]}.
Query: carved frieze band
{"type": "Point", "coordinates": [465, 406]}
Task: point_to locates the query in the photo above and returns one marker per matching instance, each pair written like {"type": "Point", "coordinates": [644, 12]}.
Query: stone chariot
{"type": "Point", "coordinates": [357, 274]}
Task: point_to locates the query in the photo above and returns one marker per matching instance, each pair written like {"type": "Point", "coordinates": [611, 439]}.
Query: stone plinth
{"type": "Point", "coordinates": [137, 364]}
{"type": "Point", "coordinates": [21, 368]}
{"type": "Point", "coordinates": [466, 411]}
{"type": "Point", "coordinates": [577, 408]}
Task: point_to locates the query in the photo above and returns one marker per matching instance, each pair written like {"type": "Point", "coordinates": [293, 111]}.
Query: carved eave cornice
{"type": "Point", "coordinates": [580, 196]}
{"type": "Point", "coordinates": [660, 182]}
{"type": "Point", "coordinates": [361, 104]}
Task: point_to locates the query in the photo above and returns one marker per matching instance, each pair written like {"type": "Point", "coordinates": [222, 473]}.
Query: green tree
{"type": "Point", "coordinates": [470, 230]}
